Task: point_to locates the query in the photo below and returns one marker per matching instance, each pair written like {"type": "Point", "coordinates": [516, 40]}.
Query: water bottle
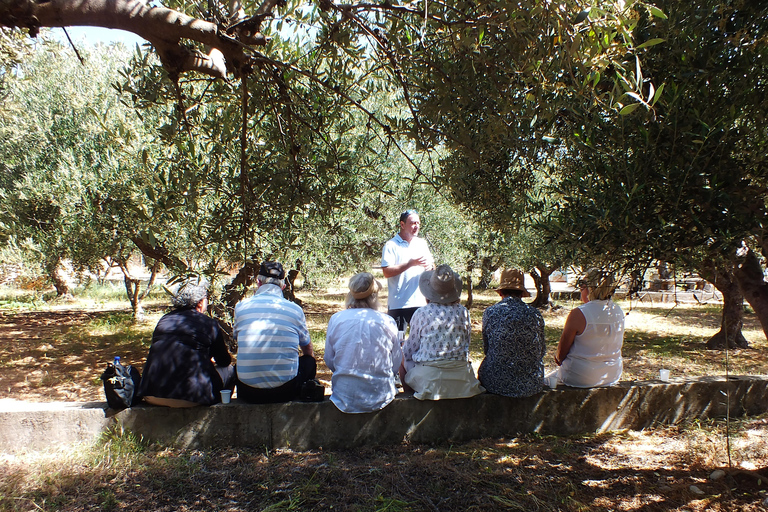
{"type": "Point", "coordinates": [117, 361]}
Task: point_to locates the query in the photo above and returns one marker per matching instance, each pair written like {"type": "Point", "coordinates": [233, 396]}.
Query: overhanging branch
{"type": "Point", "coordinates": [165, 28]}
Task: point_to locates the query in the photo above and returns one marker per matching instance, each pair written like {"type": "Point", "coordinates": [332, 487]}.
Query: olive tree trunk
{"type": "Point", "coordinates": [56, 275]}
{"type": "Point", "coordinates": [733, 308]}
{"type": "Point", "coordinates": [749, 276]}
{"type": "Point", "coordinates": [540, 274]}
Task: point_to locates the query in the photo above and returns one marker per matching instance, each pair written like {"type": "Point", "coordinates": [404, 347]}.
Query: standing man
{"type": "Point", "coordinates": [271, 332]}
{"type": "Point", "coordinates": [513, 342]}
{"type": "Point", "coordinates": [403, 260]}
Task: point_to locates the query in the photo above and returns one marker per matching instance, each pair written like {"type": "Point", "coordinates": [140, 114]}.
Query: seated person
{"type": "Point", "coordinates": [436, 354]}
{"type": "Point", "coordinates": [589, 352]}
{"type": "Point", "coordinates": [362, 350]}
{"type": "Point", "coordinates": [270, 331]}
{"type": "Point", "coordinates": [513, 342]}
{"type": "Point", "coordinates": [179, 371]}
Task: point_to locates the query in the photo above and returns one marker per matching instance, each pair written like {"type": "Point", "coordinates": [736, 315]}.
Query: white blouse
{"type": "Point", "coordinates": [362, 351]}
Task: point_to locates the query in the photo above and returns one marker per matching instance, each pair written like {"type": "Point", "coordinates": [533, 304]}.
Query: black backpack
{"type": "Point", "coordinates": [121, 385]}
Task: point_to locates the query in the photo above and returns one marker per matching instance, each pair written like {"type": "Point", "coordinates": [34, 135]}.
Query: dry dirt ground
{"type": "Point", "coordinates": [48, 355]}
{"type": "Point", "coordinates": [660, 470]}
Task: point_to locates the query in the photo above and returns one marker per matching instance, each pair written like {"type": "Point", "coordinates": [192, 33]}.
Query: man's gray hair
{"type": "Point", "coordinates": [271, 280]}
{"type": "Point", "coordinates": [190, 293]}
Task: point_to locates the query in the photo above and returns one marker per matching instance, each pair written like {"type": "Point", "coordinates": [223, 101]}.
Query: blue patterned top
{"type": "Point", "coordinates": [514, 347]}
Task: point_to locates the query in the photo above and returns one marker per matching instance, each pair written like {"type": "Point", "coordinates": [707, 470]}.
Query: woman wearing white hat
{"type": "Point", "coordinates": [436, 354]}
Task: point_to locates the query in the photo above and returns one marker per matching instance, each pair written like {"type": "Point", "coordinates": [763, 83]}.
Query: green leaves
{"type": "Point", "coordinates": [656, 11]}
{"type": "Point", "coordinates": [681, 179]}
{"type": "Point", "coordinates": [628, 109]}
{"type": "Point", "coordinates": [650, 42]}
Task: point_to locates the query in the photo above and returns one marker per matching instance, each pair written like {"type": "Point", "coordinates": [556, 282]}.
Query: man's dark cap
{"type": "Point", "coordinates": [272, 269]}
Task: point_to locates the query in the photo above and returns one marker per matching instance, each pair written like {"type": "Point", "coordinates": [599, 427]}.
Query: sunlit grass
{"type": "Point", "coordinates": [12, 299]}
{"type": "Point", "coordinates": [45, 480]}
{"type": "Point", "coordinates": [93, 296]}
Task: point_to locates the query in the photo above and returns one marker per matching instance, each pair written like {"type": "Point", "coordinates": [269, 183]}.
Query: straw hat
{"type": "Point", "coordinates": [513, 279]}
{"type": "Point", "coordinates": [441, 285]}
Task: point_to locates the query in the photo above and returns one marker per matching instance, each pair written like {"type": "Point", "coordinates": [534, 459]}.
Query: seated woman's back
{"type": "Point", "coordinates": [595, 357]}
{"type": "Point", "coordinates": [362, 350]}
{"type": "Point", "coordinates": [602, 337]}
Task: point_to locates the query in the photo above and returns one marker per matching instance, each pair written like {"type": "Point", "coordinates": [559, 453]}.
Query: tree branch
{"type": "Point", "coordinates": [164, 28]}
{"type": "Point", "coordinates": [158, 253]}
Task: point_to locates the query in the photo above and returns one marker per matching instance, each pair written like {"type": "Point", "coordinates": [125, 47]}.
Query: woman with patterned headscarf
{"type": "Point", "coordinates": [589, 352]}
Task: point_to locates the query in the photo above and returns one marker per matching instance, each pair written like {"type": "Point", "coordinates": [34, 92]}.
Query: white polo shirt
{"type": "Point", "coordinates": [403, 289]}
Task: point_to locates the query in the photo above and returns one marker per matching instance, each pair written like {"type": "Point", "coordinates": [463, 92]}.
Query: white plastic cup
{"type": "Point", "coordinates": [401, 336]}
{"type": "Point", "coordinates": [226, 396]}
{"type": "Point", "coordinates": [664, 375]}
{"type": "Point", "coordinates": [552, 381]}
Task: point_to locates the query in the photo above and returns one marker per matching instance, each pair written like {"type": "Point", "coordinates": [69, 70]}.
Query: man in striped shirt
{"type": "Point", "coordinates": [271, 332]}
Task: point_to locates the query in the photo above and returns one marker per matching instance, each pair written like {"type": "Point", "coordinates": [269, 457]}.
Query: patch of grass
{"type": "Point", "coordinates": [112, 291]}
{"type": "Point", "coordinates": [388, 504]}
{"type": "Point", "coordinates": [116, 329]}
{"type": "Point", "coordinates": [117, 445]}
{"type": "Point", "coordinates": [107, 500]}
{"type": "Point", "coordinates": [70, 479]}
{"type": "Point", "coordinates": [14, 299]}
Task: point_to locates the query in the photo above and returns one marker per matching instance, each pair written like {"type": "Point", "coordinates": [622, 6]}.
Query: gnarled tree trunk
{"type": "Point", "coordinates": [54, 271]}
{"type": "Point", "coordinates": [733, 309]}
{"type": "Point", "coordinates": [470, 298]}
{"type": "Point", "coordinates": [749, 275]}
{"type": "Point", "coordinates": [540, 275]}
{"type": "Point", "coordinates": [133, 288]}
{"type": "Point", "coordinates": [487, 268]}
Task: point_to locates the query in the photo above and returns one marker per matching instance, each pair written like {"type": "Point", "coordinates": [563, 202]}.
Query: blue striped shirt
{"type": "Point", "coordinates": [269, 331]}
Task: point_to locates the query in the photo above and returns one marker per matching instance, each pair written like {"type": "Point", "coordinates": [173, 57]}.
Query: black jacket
{"type": "Point", "coordinates": [179, 362]}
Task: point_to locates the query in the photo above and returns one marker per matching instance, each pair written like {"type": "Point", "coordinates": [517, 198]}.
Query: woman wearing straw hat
{"type": "Point", "coordinates": [589, 352]}
{"type": "Point", "coordinates": [513, 341]}
{"type": "Point", "coordinates": [362, 350]}
{"type": "Point", "coordinates": [436, 354]}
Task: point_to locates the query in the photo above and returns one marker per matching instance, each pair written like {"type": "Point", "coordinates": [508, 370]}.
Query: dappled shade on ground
{"type": "Point", "coordinates": [625, 471]}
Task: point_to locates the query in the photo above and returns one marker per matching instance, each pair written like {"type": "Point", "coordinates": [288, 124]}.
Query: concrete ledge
{"type": "Point", "coordinates": [563, 411]}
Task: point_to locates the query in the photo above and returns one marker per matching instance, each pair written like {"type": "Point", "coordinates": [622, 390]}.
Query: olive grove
{"type": "Point", "coordinates": [616, 133]}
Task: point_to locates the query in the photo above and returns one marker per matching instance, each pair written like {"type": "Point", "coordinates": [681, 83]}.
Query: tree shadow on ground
{"type": "Point", "coordinates": [527, 473]}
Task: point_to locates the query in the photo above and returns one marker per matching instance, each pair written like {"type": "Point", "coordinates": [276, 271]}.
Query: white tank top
{"type": "Point", "coordinates": [595, 356]}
